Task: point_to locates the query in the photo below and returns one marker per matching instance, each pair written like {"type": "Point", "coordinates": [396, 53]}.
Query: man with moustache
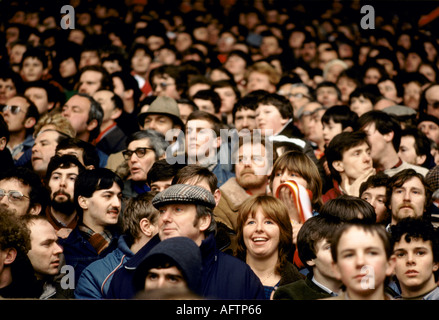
{"type": "Point", "coordinates": [408, 195]}
{"type": "Point", "coordinates": [98, 200]}
{"type": "Point", "coordinates": [62, 172]}
{"type": "Point", "coordinates": [253, 163]}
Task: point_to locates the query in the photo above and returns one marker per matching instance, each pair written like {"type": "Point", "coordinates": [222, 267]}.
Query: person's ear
{"type": "Point", "coordinates": [2, 143]}
{"type": "Point", "coordinates": [116, 113]}
{"type": "Point", "coordinates": [92, 125]}
{"type": "Point", "coordinates": [389, 136]}
{"type": "Point", "coordinates": [420, 159]}
{"type": "Point", "coordinates": [30, 122]}
{"type": "Point", "coordinates": [146, 227]}
{"type": "Point", "coordinates": [82, 202]}
{"type": "Point", "coordinates": [310, 263]}
{"type": "Point", "coordinates": [391, 265]}
{"type": "Point", "coordinates": [348, 129]}
{"type": "Point", "coordinates": [36, 209]}
{"type": "Point", "coordinates": [204, 222]}
{"type": "Point", "coordinates": [217, 196]}
{"type": "Point", "coordinates": [338, 166]}
{"type": "Point", "coordinates": [9, 255]}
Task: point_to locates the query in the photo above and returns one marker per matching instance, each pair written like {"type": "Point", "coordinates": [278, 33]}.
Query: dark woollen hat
{"type": "Point", "coordinates": [181, 252]}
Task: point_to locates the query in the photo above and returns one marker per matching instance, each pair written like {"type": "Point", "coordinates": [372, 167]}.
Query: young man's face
{"type": "Point", "coordinates": [160, 185]}
{"type": "Point", "coordinates": [330, 130]}
{"type": "Point", "coordinates": [201, 140]}
{"type": "Point", "coordinates": [62, 186]}
{"type": "Point", "coordinates": [179, 220]}
{"type": "Point", "coordinates": [228, 98]}
{"type": "Point", "coordinates": [140, 62]}
{"type": "Point", "coordinates": [407, 151]}
{"type": "Point", "coordinates": [164, 85]}
{"type": "Point", "coordinates": [7, 90]}
{"type": "Point", "coordinates": [170, 277]}
{"type": "Point", "coordinates": [19, 206]}
{"type": "Point", "coordinates": [68, 68]}
{"type": "Point", "coordinates": [414, 265]}
{"type": "Point", "coordinates": [90, 82]}
{"type": "Point", "coordinates": [327, 96]}
{"type": "Point", "coordinates": [355, 162]}
{"type": "Point", "coordinates": [322, 263]}
{"type": "Point", "coordinates": [32, 69]}
{"type": "Point", "coordinates": [377, 141]}
{"type": "Point", "coordinates": [269, 118]}
{"type": "Point", "coordinates": [39, 98]}
{"type": "Point", "coordinates": [388, 90]}
{"type": "Point", "coordinates": [245, 119]}
{"type": "Point", "coordinates": [408, 200]}
{"type": "Point", "coordinates": [360, 105]}
{"type": "Point", "coordinates": [102, 208]}
{"type": "Point", "coordinates": [377, 198]}
{"type": "Point", "coordinates": [45, 252]}
{"type": "Point", "coordinates": [360, 255]}
{"type": "Point", "coordinates": [89, 58]}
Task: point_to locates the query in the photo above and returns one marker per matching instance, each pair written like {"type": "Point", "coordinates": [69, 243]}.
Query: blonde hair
{"type": "Point", "coordinates": [55, 121]}
{"type": "Point", "coordinates": [265, 68]}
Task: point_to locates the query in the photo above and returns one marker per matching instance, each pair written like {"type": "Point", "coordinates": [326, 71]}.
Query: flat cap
{"type": "Point", "coordinates": [184, 193]}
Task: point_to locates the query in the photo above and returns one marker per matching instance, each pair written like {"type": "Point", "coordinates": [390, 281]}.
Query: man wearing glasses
{"type": "Point", "coordinates": [22, 192]}
{"type": "Point", "coordinates": [144, 148]}
{"type": "Point", "coordinates": [167, 81]}
{"type": "Point", "coordinates": [21, 115]}
{"type": "Point", "coordinates": [299, 94]}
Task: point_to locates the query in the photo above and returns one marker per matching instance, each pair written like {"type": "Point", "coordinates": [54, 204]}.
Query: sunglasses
{"type": "Point", "coordinates": [13, 195]}
{"type": "Point", "coordinates": [140, 153]}
{"type": "Point", "coordinates": [12, 109]}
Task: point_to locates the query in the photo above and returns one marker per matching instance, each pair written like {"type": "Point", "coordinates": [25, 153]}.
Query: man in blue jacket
{"type": "Point", "coordinates": [139, 222]}
{"type": "Point", "coordinates": [98, 194]}
{"type": "Point", "coordinates": [186, 210]}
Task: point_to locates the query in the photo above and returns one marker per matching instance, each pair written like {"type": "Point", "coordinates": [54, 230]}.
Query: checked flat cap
{"type": "Point", "coordinates": [184, 193]}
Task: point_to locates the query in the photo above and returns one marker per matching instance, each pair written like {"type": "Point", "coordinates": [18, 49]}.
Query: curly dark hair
{"type": "Point", "coordinates": [13, 232]}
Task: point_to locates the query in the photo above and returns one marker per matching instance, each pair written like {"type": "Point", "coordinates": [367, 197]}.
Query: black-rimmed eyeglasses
{"type": "Point", "coordinates": [140, 153]}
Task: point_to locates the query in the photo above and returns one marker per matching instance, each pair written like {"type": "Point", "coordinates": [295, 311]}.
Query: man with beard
{"type": "Point", "coordinates": [253, 162]}
{"type": "Point", "coordinates": [408, 195]}
{"type": "Point", "coordinates": [62, 172]}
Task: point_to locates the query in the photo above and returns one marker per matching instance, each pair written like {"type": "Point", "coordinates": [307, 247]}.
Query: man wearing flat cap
{"type": "Point", "coordinates": [187, 210]}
